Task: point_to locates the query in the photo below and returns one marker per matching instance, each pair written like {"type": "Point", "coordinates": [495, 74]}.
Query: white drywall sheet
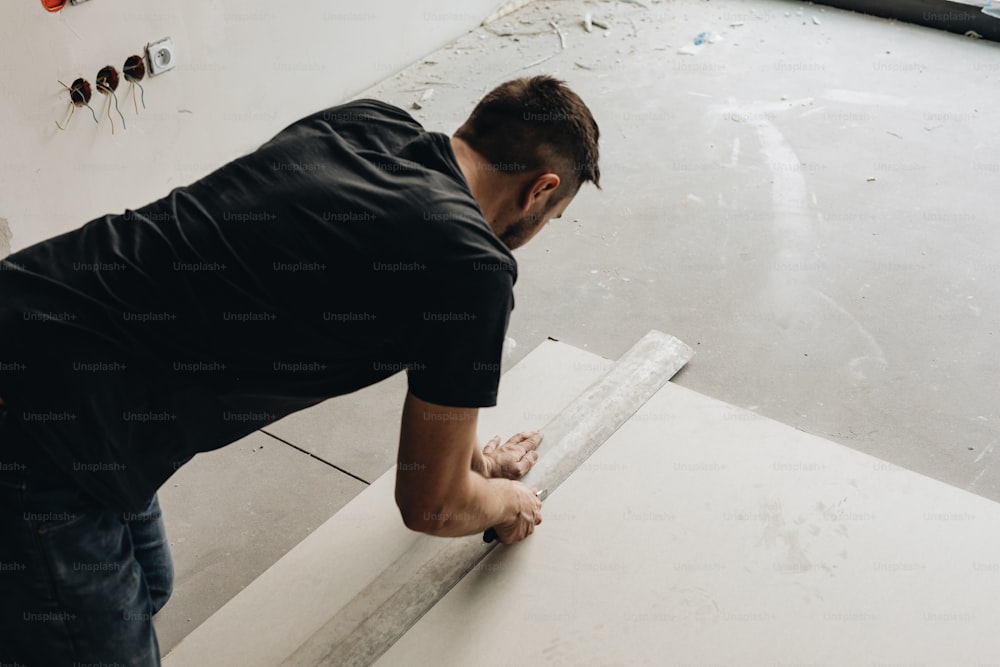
{"type": "Point", "coordinates": [698, 534]}
{"type": "Point", "coordinates": [702, 534]}
{"type": "Point", "coordinates": [267, 621]}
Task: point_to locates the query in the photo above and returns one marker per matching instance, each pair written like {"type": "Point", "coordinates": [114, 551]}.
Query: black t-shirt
{"type": "Point", "coordinates": [344, 250]}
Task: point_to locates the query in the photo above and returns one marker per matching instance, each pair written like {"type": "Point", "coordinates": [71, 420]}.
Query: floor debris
{"type": "Point", "coordinates": [562, 37]}
{"type": "Point", "coordinates": [698, 43]}
{"type": "Point", "coordinates": [419, 104]}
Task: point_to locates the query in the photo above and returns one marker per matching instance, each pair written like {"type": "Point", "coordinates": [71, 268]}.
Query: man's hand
{"type": "Point", "coordinates": [514, 458]}
{"type": "Point", "coordinates": [440, 488]}
{"type": "Point", "coordinates": [528, 516]}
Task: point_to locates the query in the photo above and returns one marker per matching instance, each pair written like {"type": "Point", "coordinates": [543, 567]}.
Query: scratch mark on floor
{"type": "Point", "coordinates": [983, 454]}
{"type": "Point", "coordinates": [986, 468]}
{"type": "Point", "coordinates": [855, 364]}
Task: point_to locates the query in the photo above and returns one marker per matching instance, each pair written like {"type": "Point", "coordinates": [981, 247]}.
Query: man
{"type": "Point", "coordinates": [352, 246]}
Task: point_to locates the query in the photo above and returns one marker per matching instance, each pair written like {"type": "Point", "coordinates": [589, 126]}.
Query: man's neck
{"type": "Point", "coordinates": [477, 174]}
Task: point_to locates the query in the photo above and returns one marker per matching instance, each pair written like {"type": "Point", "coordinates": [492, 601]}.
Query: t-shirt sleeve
{"type": "Point", "coordinates": [458, 339]}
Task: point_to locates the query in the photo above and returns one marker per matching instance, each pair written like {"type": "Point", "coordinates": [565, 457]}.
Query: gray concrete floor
{"type": "Point", "coordinates": [810, 204]}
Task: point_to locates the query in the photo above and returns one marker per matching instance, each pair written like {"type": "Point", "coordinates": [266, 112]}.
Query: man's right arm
{"type": "Point", "coordinates": [437, 490]}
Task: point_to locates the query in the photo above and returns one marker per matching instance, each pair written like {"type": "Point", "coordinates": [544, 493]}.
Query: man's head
{"type": "Point", "coordinates": [526, 149]}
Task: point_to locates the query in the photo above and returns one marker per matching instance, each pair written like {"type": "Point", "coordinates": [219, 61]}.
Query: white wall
{"type": "Point", "coordinates": [246, 69]}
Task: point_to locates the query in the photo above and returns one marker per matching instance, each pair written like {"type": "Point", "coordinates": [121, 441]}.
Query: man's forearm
{"type": "Point", "coordinates": [444, 485]}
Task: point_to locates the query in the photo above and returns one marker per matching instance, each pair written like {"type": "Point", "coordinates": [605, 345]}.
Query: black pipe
{"type": "Point", "coordinates": [954, 17]}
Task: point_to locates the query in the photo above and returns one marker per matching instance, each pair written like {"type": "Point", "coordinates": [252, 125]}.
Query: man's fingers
{"type": "Point", "coordinates": [515, 457]}
{"type": "Point", "coordinates": [520, 468]}
{"type": "Point", "coordinates": [516, 469]}
{"type": "Point", "coordinates": [515, 440]}
{"type": "Point", "coordinates": [532, 440]}
{"type": "Point", "coordinates": [528, 439]}
{"type": "Point", "coordinates": [492, 444]}
{"type": "Point", "coordinates": [528, 516]}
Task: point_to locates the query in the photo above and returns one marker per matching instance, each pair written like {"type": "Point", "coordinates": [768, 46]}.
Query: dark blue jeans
{"type": "Point", "coordinates": [78, 584]}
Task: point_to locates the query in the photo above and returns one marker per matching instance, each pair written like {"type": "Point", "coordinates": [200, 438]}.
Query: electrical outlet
{"type": "Point", "coordinates": [160, 56]}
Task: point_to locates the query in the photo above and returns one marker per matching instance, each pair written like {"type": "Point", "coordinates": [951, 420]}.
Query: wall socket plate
{"type": "Point", "coordinates": [160, 56]}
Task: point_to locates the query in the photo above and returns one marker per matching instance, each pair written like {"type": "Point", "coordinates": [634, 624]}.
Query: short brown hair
{"type": "Point", "coordinates": [532, 123]}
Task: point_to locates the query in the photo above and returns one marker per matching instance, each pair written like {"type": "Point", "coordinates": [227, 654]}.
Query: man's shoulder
{"type": "Point", "coordinates": [366, 112]}
{"type": "Point", "coordinates": [468, 246]}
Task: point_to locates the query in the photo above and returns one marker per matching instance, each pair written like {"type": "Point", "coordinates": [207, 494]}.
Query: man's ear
{"type": "Point", "coordinates": [543, 185]}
